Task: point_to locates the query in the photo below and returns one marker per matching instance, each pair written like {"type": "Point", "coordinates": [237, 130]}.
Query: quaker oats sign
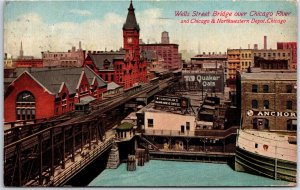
{"type": "Point", "coordinates": [207, 81]}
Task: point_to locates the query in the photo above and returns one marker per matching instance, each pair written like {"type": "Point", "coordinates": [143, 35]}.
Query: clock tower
{"type": "Point", "coordinates": [131, 34]}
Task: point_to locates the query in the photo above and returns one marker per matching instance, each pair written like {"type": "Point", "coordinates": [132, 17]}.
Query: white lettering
{"type": "Point", "coordinates": [286, 114]}
{"type": "Point", "coordinates": [293, 114]}
{"type": "Point", "coordinates": [266, 113]}
{"type": "Point", "coordinates": [260, 113]}
{"type": "Point", "coordinates": [272, 113]}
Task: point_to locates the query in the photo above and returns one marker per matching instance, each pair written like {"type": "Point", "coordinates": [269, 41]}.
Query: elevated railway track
{"type": "Point", "coordinates": [32, 152]}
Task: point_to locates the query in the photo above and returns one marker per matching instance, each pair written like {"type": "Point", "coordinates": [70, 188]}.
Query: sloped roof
{"type": "Point", "coordinates": [99, 59]}
{"type": "Point", "coordinates": [131, 20]}
{"type": "Point", "coordinates": [112, 86]}
{"type": "Point", "coordinates": [54, 77]}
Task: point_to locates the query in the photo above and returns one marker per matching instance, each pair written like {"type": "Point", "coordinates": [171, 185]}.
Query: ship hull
{"type": "Point", "coordinates": [257, 164]}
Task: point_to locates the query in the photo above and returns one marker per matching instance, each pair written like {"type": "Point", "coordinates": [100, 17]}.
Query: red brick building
{"type": "Point", "coordinates": [43, 93]}
{"type": "Point", "coordinates": [293, 46]}
{"type": "Point", "coordinates": [124, 67]}
{"type": "Point", "coordinates": [168, 52]}
{"type": "Point", "coordinates": [28, 63]}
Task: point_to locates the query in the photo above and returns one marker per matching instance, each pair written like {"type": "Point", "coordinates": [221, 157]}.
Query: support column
{"type": "Point", "coordinates": [90, 137]}
{"type": "Point", "coordinates": [18, 146]}
{"type": "Point", "coordinates": [103, 126]}
{"type": "Point", "coordinates": [82, 137]}
{"type": "Point", "coordinates": [73, 143]}
{"type": "Point", "coordinates": [64, 147]}
{"type": "Point", "coordinates": [41, 159]}
{"type": "Point", "coordinates": [52, 152]}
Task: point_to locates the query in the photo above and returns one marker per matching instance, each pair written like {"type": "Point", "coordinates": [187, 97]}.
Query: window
{"type": "Point", "coordinates": [266, 123]}
{"type": "Point", "coordinates": [254, 88]}
{"type": "Point", "coordinates": [187, 126]}
{"type": "Point", "coordinates": [112, 77]}
{"type": "Point", "coordinates": [289, 105]}
{"type": "Point", "coordinates": [254, 104]}
{"type": "Point", "coordinates": [106, 77]}
{"type": "Point", "coordinates": [256, 145]}
{"type": "Point", "coordinates": [150, 122]}
{"type": "Point", "coordinates": [25, 106]}
{"type": "Point", "coordinates": [289, 88]}
{"type": "Point", "coordinates": [265, 54]}
{"type": "Point", "coordinates": [266, 104]}
{"type": "Point", "coordinates": [292, 125]}
{"type": "Point", "coordinates": [283, 54]}
{"type": "Point", "coordinates": [266, 88]}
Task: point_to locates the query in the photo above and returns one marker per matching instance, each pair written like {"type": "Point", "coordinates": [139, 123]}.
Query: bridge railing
{"type": "Point", "coordinates": [197, 132]}
{"type": "Point", "coordinates": [60, 178]}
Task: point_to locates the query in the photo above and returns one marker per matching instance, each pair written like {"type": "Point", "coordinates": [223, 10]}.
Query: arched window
{"type": "Point", "coordinates": [25, 106]}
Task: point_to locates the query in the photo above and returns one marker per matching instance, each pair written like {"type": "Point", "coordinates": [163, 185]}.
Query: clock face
{"type": "Point", "coordinates": [129, 40]}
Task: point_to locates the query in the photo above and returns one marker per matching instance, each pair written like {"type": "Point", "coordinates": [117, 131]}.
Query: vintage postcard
{"type": "Point", "coordinates": [150, 93]}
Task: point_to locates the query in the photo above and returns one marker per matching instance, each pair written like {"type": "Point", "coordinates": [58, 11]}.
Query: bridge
{"type": "Point", "coordinates": [52, 151]}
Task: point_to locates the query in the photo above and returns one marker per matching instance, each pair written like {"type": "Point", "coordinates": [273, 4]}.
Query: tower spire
{"type": "Point", "coordinates": [131, 22]}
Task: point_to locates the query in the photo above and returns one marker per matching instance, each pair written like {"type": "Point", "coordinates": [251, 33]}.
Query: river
{"type": "Point", "coordinates": [181, 174]}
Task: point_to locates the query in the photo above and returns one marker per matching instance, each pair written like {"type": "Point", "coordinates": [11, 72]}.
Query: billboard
{"type": "Point", "coordinates": [207, 81]}
{"type": "Point", "coordinates": [181, 102]}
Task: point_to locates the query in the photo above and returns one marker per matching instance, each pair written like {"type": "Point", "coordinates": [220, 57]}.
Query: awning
{"type": "Point", "coordinates": [87, 99]}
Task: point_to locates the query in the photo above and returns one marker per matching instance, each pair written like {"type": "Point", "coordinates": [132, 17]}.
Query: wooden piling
{"type": "Point", "coordinates": [131, 166]}
{"type": "Point", "coordinates": [140, 153]}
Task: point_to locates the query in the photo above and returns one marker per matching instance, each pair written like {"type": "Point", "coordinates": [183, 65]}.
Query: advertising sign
{"type": "Point", "coordinates": [206, 80]}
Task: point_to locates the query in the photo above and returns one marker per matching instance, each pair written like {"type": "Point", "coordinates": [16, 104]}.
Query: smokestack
{"type": "Point", "coordinates": [255, 46]}
{"type": "Point", "coordinates": [248, 46]}
{"type": "Point", "coordinates": [265, 42]}
{"type": "Point", "coordinates": [79, 45]}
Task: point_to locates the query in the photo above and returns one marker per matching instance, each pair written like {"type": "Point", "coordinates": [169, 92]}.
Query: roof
{"type": "Point", "coordinates": [125, 126]}
{"type": "Point", "coordinates": [112, 86]}
{"type": "Point", "coordinates": [53, 78]}
{"type": "Point", "coordinates": [131, 20]}
{"type": "Point", "coordinates": [269, 76]}
{"type": "Point", "coordinates": [149, 54]}
{"type": "Point", "coordinates": [87, 99]}
{"type": "Point", "coordinates": [100, 59]}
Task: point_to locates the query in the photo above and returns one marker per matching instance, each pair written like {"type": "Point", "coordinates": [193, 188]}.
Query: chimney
{"type": "Point", "coordinates": [265, 42]}
{"type": "Point", "coordinates": [255, 46]}
{"type": "Point", "coordinates": [79, 45]}
{"type": "Point", "coordinates": [73, 49]}
{"type": "Point", "coordinates": [248, 46]}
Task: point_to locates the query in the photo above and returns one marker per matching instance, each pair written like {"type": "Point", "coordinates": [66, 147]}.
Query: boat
{"type": "Point", "coordinates": [270, 154]}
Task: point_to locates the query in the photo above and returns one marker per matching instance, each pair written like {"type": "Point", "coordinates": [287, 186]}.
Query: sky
{"type": "Point", "coordinates": [59, 25]}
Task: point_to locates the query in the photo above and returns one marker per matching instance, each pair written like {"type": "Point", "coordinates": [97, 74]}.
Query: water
{"type": "Point", "coordinates": [171, 173]}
